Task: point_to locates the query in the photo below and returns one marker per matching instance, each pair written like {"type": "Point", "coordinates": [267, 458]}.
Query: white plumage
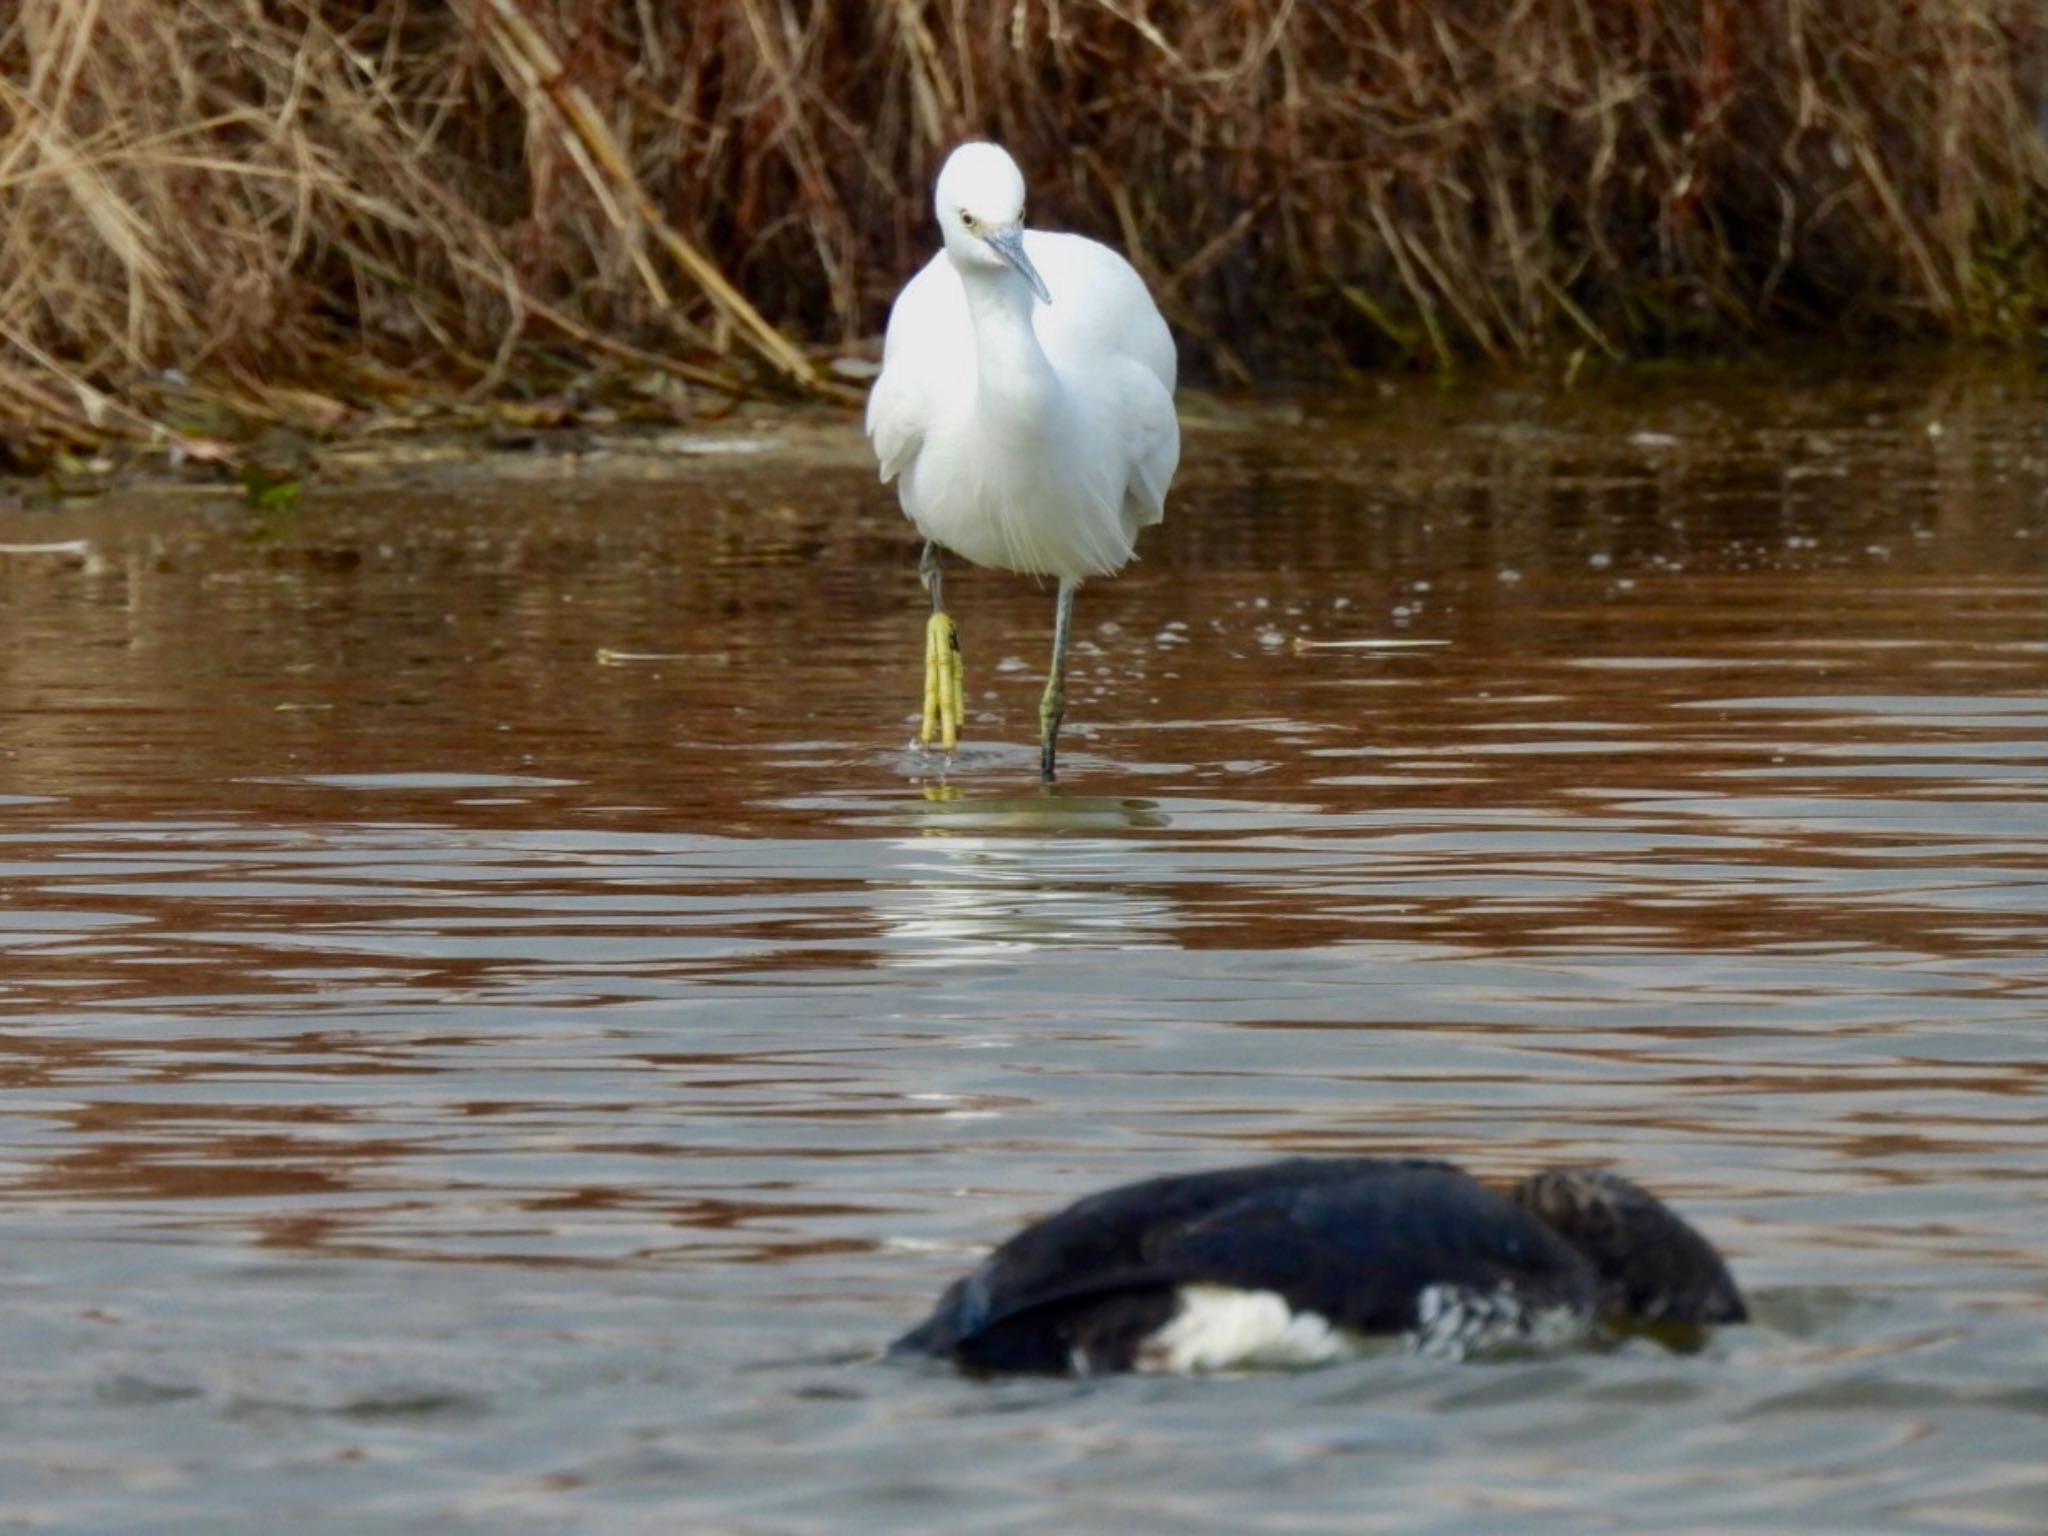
{"type": "Point", "coordinates": [1053, 465]}
{"type": "Point", "coordinates": [1025, 405]}
{"type": "Point", "coordinates": [1222, 1328]}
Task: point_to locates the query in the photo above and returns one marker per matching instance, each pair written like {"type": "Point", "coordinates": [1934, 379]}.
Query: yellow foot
{"type": "Point", "coordinates": [942, 695]}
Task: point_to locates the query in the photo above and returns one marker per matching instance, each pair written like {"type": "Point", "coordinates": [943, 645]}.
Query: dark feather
{"type": "Point", "coordinates": [1360, 1252]}
{"type": "Point", "coordinates": [1356, 1240]}
{"type": "Point", "coordinates": [1064, 1283]}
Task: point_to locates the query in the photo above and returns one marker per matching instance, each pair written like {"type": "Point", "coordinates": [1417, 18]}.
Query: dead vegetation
{"type": "Point", "coordinates": [225, 214]}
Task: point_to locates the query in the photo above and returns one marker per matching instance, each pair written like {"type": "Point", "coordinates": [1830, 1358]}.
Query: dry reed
{"type": "Point", "coordinates": [256, 211]}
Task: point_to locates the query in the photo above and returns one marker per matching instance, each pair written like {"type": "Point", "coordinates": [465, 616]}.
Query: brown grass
{"type": "Point", "coordinates": [314, 209]}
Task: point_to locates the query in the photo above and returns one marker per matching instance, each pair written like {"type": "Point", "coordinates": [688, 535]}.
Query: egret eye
{"type": "Point", "coordinates": [969, 221]}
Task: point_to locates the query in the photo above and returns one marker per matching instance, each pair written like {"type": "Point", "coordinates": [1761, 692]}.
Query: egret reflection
{"type": "Point", "coordinates": [991, 876]}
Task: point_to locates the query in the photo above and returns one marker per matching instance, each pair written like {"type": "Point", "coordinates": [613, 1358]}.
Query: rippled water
{"type": "Point", "coordinates": [498, 1030]}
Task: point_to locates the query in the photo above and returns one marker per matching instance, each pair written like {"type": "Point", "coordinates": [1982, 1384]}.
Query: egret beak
{"type": "Point", "coordinates": [1009, 244]}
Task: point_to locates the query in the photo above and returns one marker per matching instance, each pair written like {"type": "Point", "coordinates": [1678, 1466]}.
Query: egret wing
{"type": "Point", "coordinates": [927, 350]}
{"type": "Point", "coordinates": [1152, 431]}
{"type": "Point", "coordinates": [1105, 335]}
{"type": "Point", "coordinates": [1100, 308]}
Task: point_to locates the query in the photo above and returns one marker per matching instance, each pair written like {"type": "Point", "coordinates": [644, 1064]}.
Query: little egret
{"type": "Point", "coordinates": [1025, 412]}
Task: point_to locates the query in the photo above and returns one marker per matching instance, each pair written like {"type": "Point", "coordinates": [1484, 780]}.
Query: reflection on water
{"type": "Point", "coordinates": [995, 872]}
{"type": "Point", "coordinates": [496, 1029]}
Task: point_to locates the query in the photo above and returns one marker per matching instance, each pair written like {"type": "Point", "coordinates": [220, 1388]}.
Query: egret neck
{"type": "Point", "coordinates": [1012, 375]}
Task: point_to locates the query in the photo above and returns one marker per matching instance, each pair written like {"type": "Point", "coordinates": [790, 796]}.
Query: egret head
{"type": "Point", "coordinates": [980, 201]}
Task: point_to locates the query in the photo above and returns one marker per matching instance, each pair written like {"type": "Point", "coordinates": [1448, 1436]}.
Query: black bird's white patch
{"type": "Point", "coordinates": [1221, 1328]}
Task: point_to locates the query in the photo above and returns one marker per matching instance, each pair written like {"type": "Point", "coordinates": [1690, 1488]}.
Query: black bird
{"type": "Point", "coordinates": [1296, 1262]}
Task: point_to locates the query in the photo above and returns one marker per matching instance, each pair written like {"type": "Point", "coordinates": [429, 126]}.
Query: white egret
{"type": "Point", "coordinates": [1025, 412]}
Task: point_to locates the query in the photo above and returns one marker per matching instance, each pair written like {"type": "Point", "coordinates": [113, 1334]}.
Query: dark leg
{"type": "Point", "coordinates": [1054, 704]}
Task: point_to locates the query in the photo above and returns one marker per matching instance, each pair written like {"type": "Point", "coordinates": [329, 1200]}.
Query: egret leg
{"type": "Point", "coordinates": [1054, 704]}
{"type": "Point", "coordinates": [942, 670]}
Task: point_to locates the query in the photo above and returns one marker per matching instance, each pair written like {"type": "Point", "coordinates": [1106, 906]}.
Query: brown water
{"type": "Point", "coordinates": [459, 1076]}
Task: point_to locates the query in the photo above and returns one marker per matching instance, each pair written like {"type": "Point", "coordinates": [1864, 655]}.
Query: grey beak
{"type": "Point", "coordinates": [1009, 244]}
